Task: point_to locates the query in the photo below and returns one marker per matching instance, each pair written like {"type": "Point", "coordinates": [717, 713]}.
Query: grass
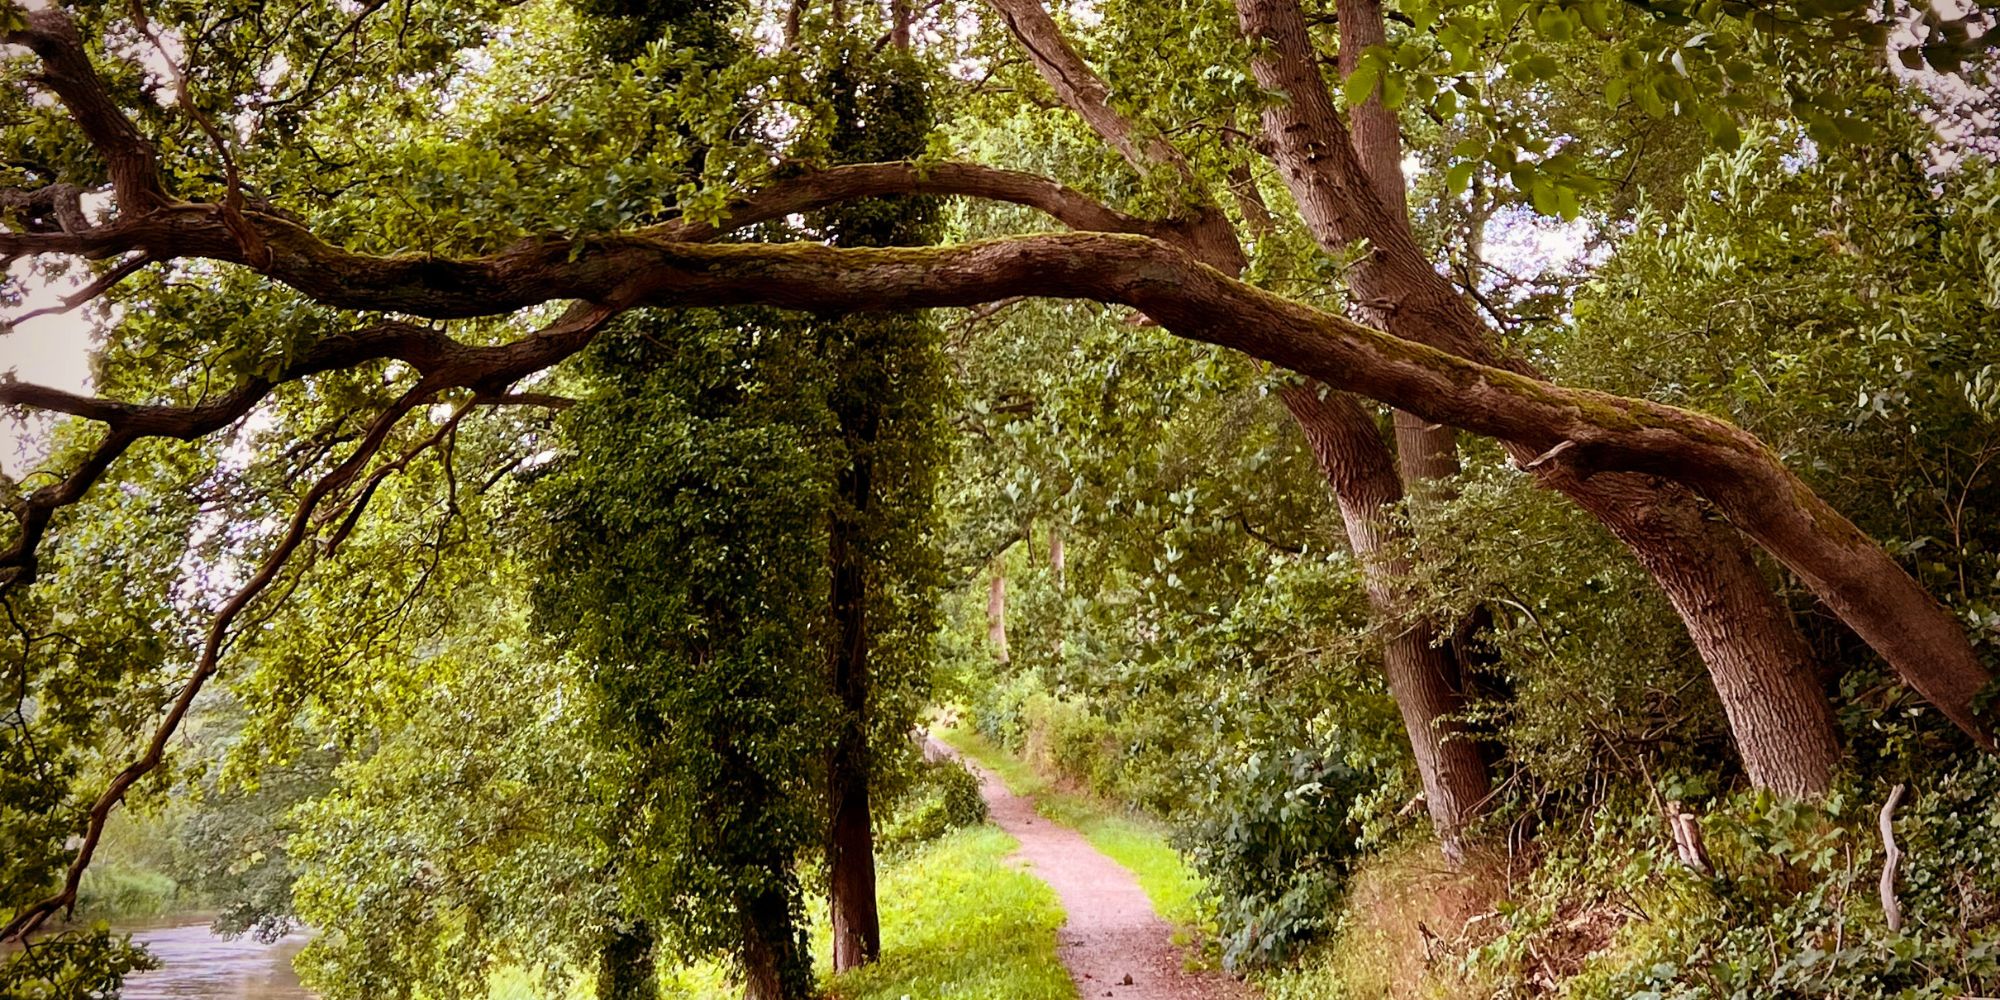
{"type": "Point", "coordinates": [1138, 844]}
{"type": "Point", "coordinates": [1404, 926]}
{"type": "Point", "coordinates": [960, 923]}
{"type": "Point", "coordinates": [123, 892]}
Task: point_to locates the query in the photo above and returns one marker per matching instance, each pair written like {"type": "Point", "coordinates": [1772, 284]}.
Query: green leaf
{"type": "Point", "coordinates": [1459, 177]}
{"type": "Point", "coordinates": [1554, 24]}
{"type": "Point", "coordinates": [1360, 84]}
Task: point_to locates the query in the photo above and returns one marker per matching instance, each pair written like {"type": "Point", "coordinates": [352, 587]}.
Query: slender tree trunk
{"type": "Point", "coordinates": [857, 928]}
{"type": "Point", "coordinates": [1423, 675]}
{"type": "Point", "coordinates": [996, 609]}
{"type": "Point", "coordinates": [1761, 665]}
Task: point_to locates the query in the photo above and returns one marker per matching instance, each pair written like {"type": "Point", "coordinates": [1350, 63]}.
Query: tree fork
{"type": "Point", "coordinates": [1760, 665]}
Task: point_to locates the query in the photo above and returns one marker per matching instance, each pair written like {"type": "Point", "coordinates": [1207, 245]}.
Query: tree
{"type": "Point", "coordinates": [445, 276]}
{"type": "Point", "coordinates": [687, 568]}
{"type": "Point", "coordinates": [885, 399]}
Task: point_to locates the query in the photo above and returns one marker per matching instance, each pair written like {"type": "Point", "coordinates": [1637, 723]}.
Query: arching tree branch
{"type": "Point", "coordinates": [32, 917]}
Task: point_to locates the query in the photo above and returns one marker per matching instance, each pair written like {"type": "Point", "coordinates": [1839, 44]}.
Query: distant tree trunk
{"type": "Point", "coordinates": [625, 964]}
{"type": "Point", "coordinates": [1423, 674]}
{"type": "Point", "coordinates": [996, 609]}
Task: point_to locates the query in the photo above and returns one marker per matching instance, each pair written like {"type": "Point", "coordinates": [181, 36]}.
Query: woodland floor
{"type": "Point", "coordinates": [1113, 943]}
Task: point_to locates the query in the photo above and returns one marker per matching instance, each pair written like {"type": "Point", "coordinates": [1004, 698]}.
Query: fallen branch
{"type": "Point", "coordinates": [1687, 839]}
{"type": "Point", "coordinates": [1892, 911]}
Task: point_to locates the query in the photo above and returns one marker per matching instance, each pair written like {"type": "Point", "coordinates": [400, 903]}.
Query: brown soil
{"type": "Point", "coordinates": [1113, 944]}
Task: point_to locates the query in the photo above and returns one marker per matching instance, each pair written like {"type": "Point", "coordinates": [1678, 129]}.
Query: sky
{"type": "Point", "coordinates": [47, 350]}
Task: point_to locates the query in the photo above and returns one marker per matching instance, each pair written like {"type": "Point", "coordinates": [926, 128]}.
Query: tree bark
{"type": "Point", "coordinates": [1761, 666]}
{"type": "Point", "coordinates": [772, 959]}
{"type": "Point", "coordinates": [1423, 675]}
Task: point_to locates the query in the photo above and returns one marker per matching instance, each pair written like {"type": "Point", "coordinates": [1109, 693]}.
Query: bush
{"type": "Point", "coordinates": [942, 797]}
{"type": "Point", "coordinates": [1792, 911]}
{"type": "Point", "coordinates": [1275, 836]}
{"type": "Point", "coordinates": [1066, 739]}
{"type": "Point", "coordinates": [117, 892]}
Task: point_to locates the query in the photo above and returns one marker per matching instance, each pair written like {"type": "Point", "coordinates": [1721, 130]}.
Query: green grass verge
{"type": "Point", "coordinates": [1138, 844]}
{"type": "Point", "coordinates": [960, 923]}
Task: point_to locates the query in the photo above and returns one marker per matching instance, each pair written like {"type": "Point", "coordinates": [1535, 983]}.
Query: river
{"type": "Point", "coordinates": [197, 963]}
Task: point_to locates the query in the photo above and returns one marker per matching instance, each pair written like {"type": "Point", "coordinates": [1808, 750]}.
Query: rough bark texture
{"type": "Point", "coordinates": [1423, 675]}
{"type": "Point", "coordinates": [1762, 667]}
{"type": "Point", "coordinates": [1751, 646]}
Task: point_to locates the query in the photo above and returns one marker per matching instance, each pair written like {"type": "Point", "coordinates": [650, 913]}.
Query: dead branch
{"type": "Point", "coordinates": [1687, 839]}
{"type": "Point", "coordinates": [1892, 910]}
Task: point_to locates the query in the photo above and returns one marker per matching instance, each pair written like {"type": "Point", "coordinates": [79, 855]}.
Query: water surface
{"type": "Point", "coordinates": [197, 963]}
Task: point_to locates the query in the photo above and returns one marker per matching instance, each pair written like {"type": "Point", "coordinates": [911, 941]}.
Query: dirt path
{"type": "Point", "coordinates": [1113, 943]}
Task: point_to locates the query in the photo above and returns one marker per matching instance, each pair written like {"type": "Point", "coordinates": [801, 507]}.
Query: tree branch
{"type": "Point", "coordinates": [104, 283]}
{"type": "Point", "coordinates": [129, 156]}
{"type": "Point", "coordinates": [1208, 232]}
{"type": "Point", "coordinates": [437, 358]}
{"type": "Point", "coordinates": [33, 916]}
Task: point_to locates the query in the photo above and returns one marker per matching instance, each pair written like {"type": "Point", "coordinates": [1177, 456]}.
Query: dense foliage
{"type": "Point", "coordinates": [562, 671]}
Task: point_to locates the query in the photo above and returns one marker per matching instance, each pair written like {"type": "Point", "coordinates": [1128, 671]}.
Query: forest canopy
{"type": "Point", "coordinates": [541, 461]}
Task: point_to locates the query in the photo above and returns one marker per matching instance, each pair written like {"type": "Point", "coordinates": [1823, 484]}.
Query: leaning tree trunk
{"type": "Point", "coordinates": [1761, 665]}
{"type": "Point", "coordinates": [1423, 675]}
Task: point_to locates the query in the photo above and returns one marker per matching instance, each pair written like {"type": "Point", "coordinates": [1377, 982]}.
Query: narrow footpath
{"type": "Point", "coordinates": [1113, 943]}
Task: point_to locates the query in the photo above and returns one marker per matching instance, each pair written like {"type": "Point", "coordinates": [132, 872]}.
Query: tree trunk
{"type": "Point", "coordinates": [996, 610]}
{"type": "Point", "coordinates": [625, 964]}
{"type": "Point", "coordinates": [1423, 675]}
{"type": "Point", "coordinates": [1761, 665]}
{"type": "Point", "coordinates": [773, 959]}
{"type": "Point", "coordinates": [857, 928]}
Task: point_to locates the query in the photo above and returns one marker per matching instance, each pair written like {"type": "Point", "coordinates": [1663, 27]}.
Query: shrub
{"type": "Point", "coordinates": [942, 797]}
{"type": "Point", "coordinates": [117, 892]}
{"type": "Point", "coordinates": [1274, 836]}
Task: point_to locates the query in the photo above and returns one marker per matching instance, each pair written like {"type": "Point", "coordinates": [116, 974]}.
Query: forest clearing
{"type": "Point", "coordinates": [1000, 499]}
